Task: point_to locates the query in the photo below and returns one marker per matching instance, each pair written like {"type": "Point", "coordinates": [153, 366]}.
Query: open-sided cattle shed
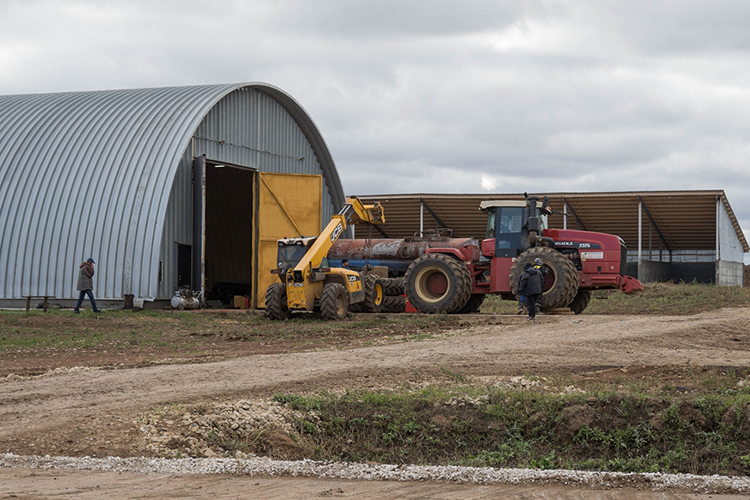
{"type": "Point", "coordinates": [678, 235]}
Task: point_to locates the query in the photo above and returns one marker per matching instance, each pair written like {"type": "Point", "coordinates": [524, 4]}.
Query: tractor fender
{"type": "Point", "coordinates": [449, 251]}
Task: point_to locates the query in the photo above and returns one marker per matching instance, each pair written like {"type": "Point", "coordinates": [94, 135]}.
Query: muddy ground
{"type": "Point", "coordinates": [91, 412]}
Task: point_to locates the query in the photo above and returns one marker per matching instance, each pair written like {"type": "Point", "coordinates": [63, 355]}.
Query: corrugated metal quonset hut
{"type": "Point", "coordinates": [163, 187]}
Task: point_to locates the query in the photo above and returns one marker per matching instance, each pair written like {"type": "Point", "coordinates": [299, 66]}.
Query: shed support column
{"type": "Point", "coordinates": [640, 237]}
{"type": "Point", "coordinates": [565, 216]}
{"type": "Point", "coordinates": [717, 265]}
{"type": "Point", "coordinates": [199, 223]}
{"type": "Point", "coordinates": [421, 219]}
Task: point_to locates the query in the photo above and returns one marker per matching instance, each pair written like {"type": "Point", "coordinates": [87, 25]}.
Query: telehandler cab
{"type": "Point", "coordinates": [309, 284]}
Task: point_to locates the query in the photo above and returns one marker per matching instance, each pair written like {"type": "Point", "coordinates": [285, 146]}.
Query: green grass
{"type": "Point", "coordinates": [599, 429]}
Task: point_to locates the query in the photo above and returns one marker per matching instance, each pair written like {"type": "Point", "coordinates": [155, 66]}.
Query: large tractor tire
{"type": "Point", "coordinates": [393, 286]}
{"type": "Point", "coordinates": [276, 304]}
{"type": "Point", "coordinates": [581, 301]}
{"type": "Point", "coordinates": [438, 283]}
{"type": "Point", "coordinates": [473, 304]}
{"type": "Point", "coordinates": [561, 276]}
{"type": "Point", "coordinates": [333, 301]}
{"type": "Point", "coordinates": [394, 304]}
{"type": "Point", "coordinates": [374, 293]}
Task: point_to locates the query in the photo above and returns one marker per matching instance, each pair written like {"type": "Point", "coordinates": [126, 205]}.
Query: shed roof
{"type": "Point", "coordinates": [89, 174]}
{"type": "Point", "coordinates": [686, 219]}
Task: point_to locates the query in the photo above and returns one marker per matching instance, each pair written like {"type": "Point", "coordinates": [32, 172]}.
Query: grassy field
{"type": "Point", "coordinates": [670, 419]}
{"type": "Point", "coordinates": [194, 333]}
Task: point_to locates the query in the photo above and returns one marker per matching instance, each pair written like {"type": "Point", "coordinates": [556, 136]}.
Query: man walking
{"type": "Point", "coordinates": [530, 285]}
{"type": "Point", "coordinates": [86, 284]}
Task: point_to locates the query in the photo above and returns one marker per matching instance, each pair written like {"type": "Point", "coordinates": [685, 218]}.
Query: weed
{"type": "Point", "coordinates": [516, 428]}
{"type": "Point", "coordinates": [451, 374]}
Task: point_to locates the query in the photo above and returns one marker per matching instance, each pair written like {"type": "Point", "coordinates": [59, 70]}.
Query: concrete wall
{"type": "Point", "coordinates": [654, 271]}
{"type": "Point", "coordinates": [730, 273]}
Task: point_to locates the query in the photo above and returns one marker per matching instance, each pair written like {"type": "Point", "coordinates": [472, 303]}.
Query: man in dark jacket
{"type": "Point", "coordinates": [530, 285]}
{"type": "Point", "coordinates": [86, 284]}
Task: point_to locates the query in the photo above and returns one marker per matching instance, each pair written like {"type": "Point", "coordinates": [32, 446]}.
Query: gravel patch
{"type": "Point", "coordinates": [178, 433]}
{"type": "Point", "coordinates": [352, 471]}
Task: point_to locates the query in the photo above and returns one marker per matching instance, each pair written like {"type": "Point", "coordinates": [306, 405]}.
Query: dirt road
{"type": "Point", "coordinates": [38, 415]}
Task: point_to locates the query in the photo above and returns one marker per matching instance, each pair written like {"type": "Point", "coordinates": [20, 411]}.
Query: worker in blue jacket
{"type": "Point", "coordinates": [530, 285]}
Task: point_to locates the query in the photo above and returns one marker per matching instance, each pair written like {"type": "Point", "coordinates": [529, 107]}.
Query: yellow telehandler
{"type": "Point", "coordinates": [309, 284]}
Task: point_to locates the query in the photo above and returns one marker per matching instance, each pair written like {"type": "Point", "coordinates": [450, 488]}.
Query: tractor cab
{"type": "Point", "coordinates": [509, 222]}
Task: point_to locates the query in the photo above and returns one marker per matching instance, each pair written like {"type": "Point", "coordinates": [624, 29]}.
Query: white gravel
{"type": "Point", "coordinates": [342, 470]}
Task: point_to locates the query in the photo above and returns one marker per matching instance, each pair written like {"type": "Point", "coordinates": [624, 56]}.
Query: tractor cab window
{"type": "Point", "coordinates": [509, 222]}
{"type": "Point", "coordinates": [290, 255]}
{"type": "Point", "coordinates": [491, 223]}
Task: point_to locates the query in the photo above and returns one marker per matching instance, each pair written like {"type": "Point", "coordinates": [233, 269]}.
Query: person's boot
{"type": "Point", "coordinates": [520, 310]}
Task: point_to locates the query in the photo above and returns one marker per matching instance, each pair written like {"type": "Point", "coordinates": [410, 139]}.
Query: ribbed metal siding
{"type": "Point", "coordinates": [249, 128]}
{"type": "Point", "coordinates": [90, 173]}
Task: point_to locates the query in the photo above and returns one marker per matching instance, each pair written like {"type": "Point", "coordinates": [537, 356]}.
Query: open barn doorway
{"type": "Point", "coordinates": [229, 234]}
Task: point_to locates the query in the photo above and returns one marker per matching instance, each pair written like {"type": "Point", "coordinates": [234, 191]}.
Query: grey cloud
{"type": "Point", "coordinates": [437, 96]}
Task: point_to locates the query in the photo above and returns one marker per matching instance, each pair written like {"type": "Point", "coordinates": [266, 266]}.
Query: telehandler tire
{"type": "Point", "coordinates": [333, 302]}
{"type": "Point", "coordinates": [438, 283]}
{"type": "Point", "coordinates": [276, 304]}
{"type": "Point", "coordinates": [581, 301]}
{"type": "Point", "coordinates": [374, 294]}
{"type": "Point", "coordinates": [561, 277]}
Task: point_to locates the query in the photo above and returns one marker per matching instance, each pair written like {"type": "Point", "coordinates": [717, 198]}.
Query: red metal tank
{"type": "Point", "coordinates": [396, 254]}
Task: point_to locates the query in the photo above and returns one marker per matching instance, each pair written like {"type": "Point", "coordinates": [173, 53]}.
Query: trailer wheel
{"type": "Point", "coordinates": [561, 276]}
{"type": "Point", "coordinates": [333, 302]}
{"type": "Point", "coordinates": [438, 283]}
{"type": "Point", "coordinates": [394, 304]}
{"type": "Point", "coordinates": [472, 306]}
{"type": "Point", "coordinates": [276, 304]}
{"type": "Point", "coordinates": [374, 293]}
{"type": "Point", "coordinates": [581, 301]}
{"type": "Point", "coordinates": [393, 286]}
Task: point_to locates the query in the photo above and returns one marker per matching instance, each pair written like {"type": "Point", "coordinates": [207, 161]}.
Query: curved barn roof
{"type": "Point", "coordinates": [89, 174]}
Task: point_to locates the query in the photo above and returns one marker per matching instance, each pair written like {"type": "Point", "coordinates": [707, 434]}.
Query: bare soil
{"type": "Point", "coordinates": [80, 413]}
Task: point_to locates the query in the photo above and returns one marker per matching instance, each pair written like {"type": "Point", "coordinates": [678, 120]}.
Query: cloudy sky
{"type": "Point", "coordinates": [440, 96]}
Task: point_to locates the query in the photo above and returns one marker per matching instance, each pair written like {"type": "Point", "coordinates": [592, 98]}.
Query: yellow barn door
{"type": "Point", "coordinates": [288, 205]}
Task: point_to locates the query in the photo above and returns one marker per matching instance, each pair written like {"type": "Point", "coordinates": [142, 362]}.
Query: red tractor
{"type": "Point", "coordinates": [456, 280]}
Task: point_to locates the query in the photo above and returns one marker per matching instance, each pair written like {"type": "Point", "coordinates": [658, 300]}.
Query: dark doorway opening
{"type": "Point", "coordinates": [229, 231]}
{"type": "Point", "coordinates": [184, 266]}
